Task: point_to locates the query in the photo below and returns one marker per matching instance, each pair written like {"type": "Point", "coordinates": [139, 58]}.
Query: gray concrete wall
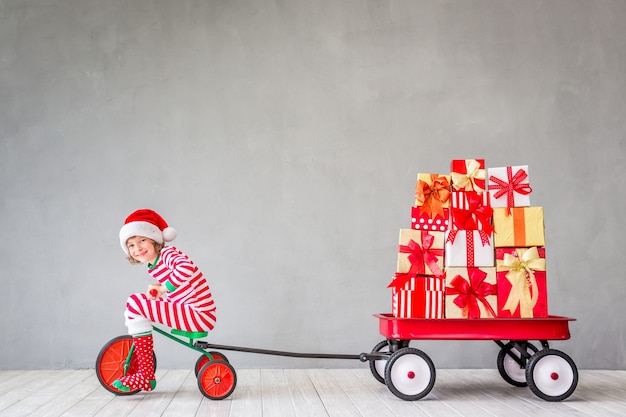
{"type": "Point", "coordinates": [282, 139]}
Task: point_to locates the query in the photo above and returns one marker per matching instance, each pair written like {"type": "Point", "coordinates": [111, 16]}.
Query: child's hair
{"type": "Point", "coordinates": [157, 248]}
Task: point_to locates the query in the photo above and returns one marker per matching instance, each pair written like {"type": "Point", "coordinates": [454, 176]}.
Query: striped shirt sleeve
{"type": "Point", "coordinates": [180, 266]}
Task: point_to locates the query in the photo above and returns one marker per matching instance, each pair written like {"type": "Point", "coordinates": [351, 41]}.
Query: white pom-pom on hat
{"type": "Point", "coordinates": [169, 234]}
{"type": "Point", "coordinates": [147, 223]}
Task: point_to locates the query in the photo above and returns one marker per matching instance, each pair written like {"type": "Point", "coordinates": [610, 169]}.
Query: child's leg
{"type": "Point", "coordinates": [144, 378]}
{"type": "Point", "coordinates": [141, 312]}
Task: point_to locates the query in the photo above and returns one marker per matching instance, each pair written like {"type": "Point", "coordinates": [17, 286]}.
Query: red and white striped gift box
{"type": "Point", "coordinates": [420, 297]}
{"type": "Point", "coordinates": [470, 210]}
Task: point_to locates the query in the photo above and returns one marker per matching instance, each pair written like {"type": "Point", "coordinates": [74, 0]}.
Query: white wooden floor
{"type": "Point", "coordinates": [304, 392]}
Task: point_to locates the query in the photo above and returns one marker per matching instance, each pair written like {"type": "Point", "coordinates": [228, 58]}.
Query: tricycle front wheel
{"type": "Point", "coordinates": [112, 361]}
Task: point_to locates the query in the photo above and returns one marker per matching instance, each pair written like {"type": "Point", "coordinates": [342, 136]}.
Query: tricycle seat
{"type": "Point", "coordinates": [190, 335]}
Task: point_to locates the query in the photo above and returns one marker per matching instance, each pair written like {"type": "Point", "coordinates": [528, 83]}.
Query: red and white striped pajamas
{"type": "Point", "coordinates": [188, 307]}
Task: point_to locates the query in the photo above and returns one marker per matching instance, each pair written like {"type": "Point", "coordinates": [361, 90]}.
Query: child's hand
{"type": "Point", "coordinates": [156, 291]}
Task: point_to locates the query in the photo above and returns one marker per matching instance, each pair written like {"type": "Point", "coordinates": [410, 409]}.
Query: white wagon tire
{"type": "Point", "coordinates": [378, 366]}
{"type": "Point", "coordinates": [551, 375]}
{"type": "Point", "coordinates": [410, 374]}
{"type": "Point", "coordinates": [508, 366]}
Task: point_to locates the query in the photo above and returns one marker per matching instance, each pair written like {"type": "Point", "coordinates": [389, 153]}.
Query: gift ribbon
{"type": "Point", "coordinates": [484, 236]}
{"type": "Point", "coordinates": [467, 180]}
{"type": "Point", "coordinates": [433, 195]}
{"type": "Point", "coordinates": [400, 279]}
{"type": "Point", "coordinates": [519, 226]}
{"type": "Point", "coordinates": [475, 216]}
{"type": "Point", "coordinates": [524, 292]}
{"type": "Point", "coordinates": [469, 243]}
{"type": "Point", "coordinates": [514, 185]}
{"type": "Point", "coordinates": [419, 257]}
{"type": "Point", "coordinates": [470, 292]}
{"type": "Point", "coordinates": [426, 255]}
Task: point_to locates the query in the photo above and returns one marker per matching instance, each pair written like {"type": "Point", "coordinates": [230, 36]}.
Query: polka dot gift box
{"type": "Point", "coordinates": [421, 220]}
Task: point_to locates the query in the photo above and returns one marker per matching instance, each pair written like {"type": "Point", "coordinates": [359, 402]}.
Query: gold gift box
{"type": "Point", "coordinates": [524, 227]}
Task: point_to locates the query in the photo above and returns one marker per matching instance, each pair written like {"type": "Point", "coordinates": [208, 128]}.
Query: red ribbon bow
{"type": "Point", "coordinates": [401, 278]}
{"type": "Point", "coordinates": [419, 257]}
{"type": "Point", "coordinates": [470, 293]}
{"type": "Point", "coordinates": [476, 216]}
{"type": "Point", "coordinates": [514, 185]}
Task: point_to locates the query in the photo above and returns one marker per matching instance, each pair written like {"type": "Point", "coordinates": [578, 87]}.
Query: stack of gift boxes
{"type": "Point", "coordinates": [475, 248]}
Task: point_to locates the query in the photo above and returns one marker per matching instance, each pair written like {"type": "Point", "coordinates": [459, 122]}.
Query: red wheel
{"type": "Point", "coordinates": [217, 380]}
{"type": "Point", "coordinates": [112, 360]}
{"type": "Point", "coordinates": [204, 359]}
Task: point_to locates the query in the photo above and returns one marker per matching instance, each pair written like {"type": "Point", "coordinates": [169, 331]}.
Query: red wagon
{"type": "Point", "coordinates": [410, 374]}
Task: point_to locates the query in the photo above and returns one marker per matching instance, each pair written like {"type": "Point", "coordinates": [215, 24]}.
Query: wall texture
{"type": "Point", "coordinates": [282, 139]}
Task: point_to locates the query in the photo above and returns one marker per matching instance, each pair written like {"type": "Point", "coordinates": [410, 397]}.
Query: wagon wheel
{"type": "Point", "coordinates": [551, 375]}
{"type": "Point", "coordinates": [410, 374]}
{"type": "Point", "coordinates": [204, 359]}
{"type": "Point", "coordinates": [378, 366]}
{"type": "Point", "coordinates": [217, 380]}
{"type": "Point", "coordinates": [112, 360]}
{"type": "Point", "coordinates": [508, 365]}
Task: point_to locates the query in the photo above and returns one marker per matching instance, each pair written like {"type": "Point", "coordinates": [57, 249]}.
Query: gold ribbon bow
{"type": "Point", "coordinates": [465, 181]}
{"type": "Point", "coordinates": [524, 292]}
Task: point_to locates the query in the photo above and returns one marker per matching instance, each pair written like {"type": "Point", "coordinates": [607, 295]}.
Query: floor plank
{"type": "Point", "coordinates": [246, 400]}
{"type": "Point", "coordinates": [356, 389]}
{"type": "Point", "coordinates": [49, 386]}
{"type": "Point", "coordinates": [380, 393]}
{"type": "Point", "coordinates": [210, 408]}
{"type": "Point", "coordinates": [64, 400]}
{"type": "Point", "coordinates": [92, 403]}
{"type": "Point", "coordinates": [336, 403]}
{"type": "Point", "coordinates": [304, 393]}
{"type": "Point", "coordinates": [155, 403]}
{"type": "Point", "coordinates": [186, 400]}
{"type": "Point", "coordinates": [305, 398]}
{"type": "Point", "coordinates": [275, 394]}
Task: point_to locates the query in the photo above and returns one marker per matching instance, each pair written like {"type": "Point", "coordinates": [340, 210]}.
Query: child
{"type": "Point", "coordinates": [189, 304]}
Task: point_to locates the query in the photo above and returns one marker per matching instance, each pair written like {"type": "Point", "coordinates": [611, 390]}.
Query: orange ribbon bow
{"type": "Point", "coordinates": [432, 196]}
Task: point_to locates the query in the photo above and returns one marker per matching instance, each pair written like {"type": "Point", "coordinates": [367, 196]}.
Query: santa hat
{"type": "Point", "coordinates": [146, 223]}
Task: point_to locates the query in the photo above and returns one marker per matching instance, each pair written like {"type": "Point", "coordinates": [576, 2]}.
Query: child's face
{"type": "Point", "coordinates": [142, 249]}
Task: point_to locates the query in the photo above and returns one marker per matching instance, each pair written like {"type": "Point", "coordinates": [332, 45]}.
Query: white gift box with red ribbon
{"type": "Point", "coordinates": [469, 248]}
{"type": "Point", "coordinates": [509, 186]}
